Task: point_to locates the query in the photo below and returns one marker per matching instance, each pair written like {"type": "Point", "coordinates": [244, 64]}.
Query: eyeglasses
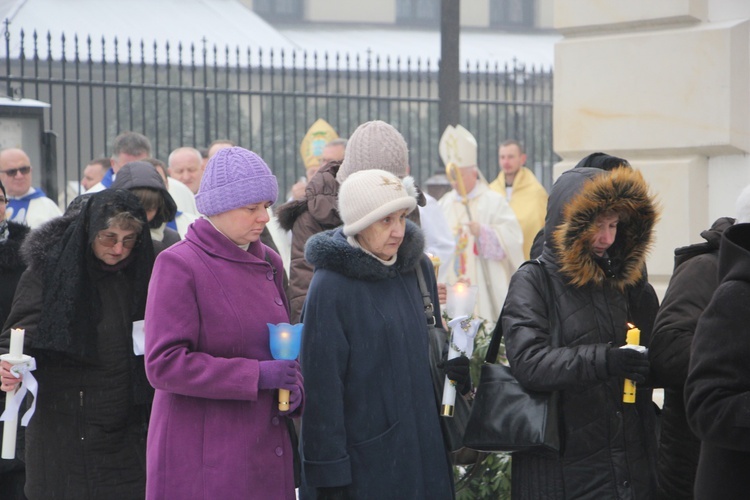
{"type": "Point", "coordinates": [110, 240]}
{"type": "Point", "coordinates": [11, 172]}
{"type": "Point", "coordinates": [3, 199]}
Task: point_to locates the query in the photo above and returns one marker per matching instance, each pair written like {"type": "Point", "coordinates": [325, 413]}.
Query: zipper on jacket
{"type": "Point", "coordinates": [81, 423]}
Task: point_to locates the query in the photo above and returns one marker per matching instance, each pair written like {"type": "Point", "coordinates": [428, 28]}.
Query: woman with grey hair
{"type": "Point", "coordinates": [371, 426]}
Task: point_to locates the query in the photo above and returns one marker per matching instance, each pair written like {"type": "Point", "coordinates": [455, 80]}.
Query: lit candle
{"type": "Point", "coordinates": [632, 341]}
{"type": "Point", "coordinates": [285, 343]}
{"type": "Point", "coordinates": [461, 299]}
{"type": "Point", "coordinates": [11, 426]}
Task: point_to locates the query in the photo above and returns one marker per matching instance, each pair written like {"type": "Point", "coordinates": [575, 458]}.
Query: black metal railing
{"type": "Point", "coordinates": [264, 100]}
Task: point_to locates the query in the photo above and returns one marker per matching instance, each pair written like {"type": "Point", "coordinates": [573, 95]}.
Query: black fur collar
{"type": "Point", "coordinates": [35, 247]}
{"type": "Point", "coordinates": [289, 212]}
{"type": "Point", "coordinates": [10, 250]}
{"type": "Point", "coordinates": [330, 250]}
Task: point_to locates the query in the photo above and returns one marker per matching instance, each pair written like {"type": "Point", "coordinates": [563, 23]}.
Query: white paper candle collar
{"type": "Point", "coordinates": [463, 331]}
{"type": "Point", "coordinates": [29, 384]}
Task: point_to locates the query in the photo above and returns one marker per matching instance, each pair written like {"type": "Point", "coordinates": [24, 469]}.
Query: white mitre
{"type": "Point", "coordinates": [458, 146]}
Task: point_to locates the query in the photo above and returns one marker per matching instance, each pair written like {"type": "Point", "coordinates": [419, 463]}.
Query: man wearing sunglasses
{"type": "Point", "coordinates": [26, 205]}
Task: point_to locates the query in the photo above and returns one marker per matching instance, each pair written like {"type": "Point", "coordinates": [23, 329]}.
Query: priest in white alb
{"type": "Point", "coordinates": [489, 240]}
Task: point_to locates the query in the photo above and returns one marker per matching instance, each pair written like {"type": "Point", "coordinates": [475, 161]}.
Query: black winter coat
{"type": "Point", "coordinates": [608, 446]}
{"type": "Point", "coordinates": [717, 391]}
{"type": "Point", "coordinates": [690, 290]}
{"type": "Point", "coordinates": [87, 437]}
{"type": "Point", "coordinates": [12, 267]}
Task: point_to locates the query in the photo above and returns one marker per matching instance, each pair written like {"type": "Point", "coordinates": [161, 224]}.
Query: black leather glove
{"type": "Point", "coordinates": [333, 493]}
{"type": "Point", "coordinates": [628, 363]}
{"type": "Point", "coordinates": [457, 370]}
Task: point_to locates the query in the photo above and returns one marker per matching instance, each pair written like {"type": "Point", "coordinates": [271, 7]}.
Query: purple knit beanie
{"type": "Point", "coordinates": [234, 178]}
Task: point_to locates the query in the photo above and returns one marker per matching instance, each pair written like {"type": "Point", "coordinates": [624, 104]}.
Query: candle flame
{"type": "Point", "coordinates": [631, 325]}
{"type": "Point", "coordinates": [284, 335]}
{"type": "Point", "coordinates": [460, 288]}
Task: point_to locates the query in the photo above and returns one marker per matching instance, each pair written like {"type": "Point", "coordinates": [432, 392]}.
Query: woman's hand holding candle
{"type": "Point", "coordinates": [284, 375]}
{"type": "Point", "coordinates": [9, 381]}
{"type": "Point", "coordinates": [457, 370]}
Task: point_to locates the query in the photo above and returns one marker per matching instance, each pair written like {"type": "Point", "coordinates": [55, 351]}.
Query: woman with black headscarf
{"type": "Point", "coordinates": [86, 284]}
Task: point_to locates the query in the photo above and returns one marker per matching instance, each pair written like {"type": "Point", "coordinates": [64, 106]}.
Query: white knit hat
{"type": "Point", "coordinates": [375, 144]}
{"type": "Point", "coordinates": [368, 196]}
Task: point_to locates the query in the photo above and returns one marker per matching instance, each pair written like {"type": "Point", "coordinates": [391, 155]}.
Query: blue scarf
{"type": "Point", "coordinates": [173, 224]}
{"type": "Point", "coordinates": [20, 206]}
{"type": "Point", "coordinates": [108, 178]}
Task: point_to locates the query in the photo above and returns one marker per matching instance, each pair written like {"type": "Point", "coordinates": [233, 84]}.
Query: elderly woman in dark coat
{"type": "Point", "coordinates": [86, 283]}
{"type": "Point", "coordinates": [600, 225]}
{"type": "Point", "coordinates": [371, 426]}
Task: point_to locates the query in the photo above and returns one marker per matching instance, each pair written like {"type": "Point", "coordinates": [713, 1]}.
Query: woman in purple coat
{"type": "Point", "coordinates": [216, 431]}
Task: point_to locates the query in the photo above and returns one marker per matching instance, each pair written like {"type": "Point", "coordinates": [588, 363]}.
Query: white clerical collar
{"type": "Point", "coordinates": [30, 191]}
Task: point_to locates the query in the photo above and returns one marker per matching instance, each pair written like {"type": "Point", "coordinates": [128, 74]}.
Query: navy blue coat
{"type": "Point", "coordinates": [371, 415]}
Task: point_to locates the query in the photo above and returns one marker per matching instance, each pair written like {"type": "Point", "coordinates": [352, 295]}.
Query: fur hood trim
{"type": "Point", "coordinates": [623, 191]}
{"type": "Point", "coordinates": [289, 212]}
{"type": "Point", "coordinates": [330, 250]}
{"type": "Point", "coordinates": [35, 248]}
{"type": "Point", "coordinates": [10, 250]}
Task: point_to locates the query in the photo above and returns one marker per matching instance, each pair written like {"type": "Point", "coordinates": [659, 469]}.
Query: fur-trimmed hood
{"type": "Point", "coordinates": [320, 200]}
{"type": "Point", "coordinates": [10, 250]}
{"type": "Point", "coordinates": [578, 197]}
{"type": "Point", "coordinates": [331, 250]}
{"type": "Point", "coordinates": [35, 248]}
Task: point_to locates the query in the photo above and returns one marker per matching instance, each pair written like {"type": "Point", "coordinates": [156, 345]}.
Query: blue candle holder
{"type": "Point", "coordinates": [285, 340]}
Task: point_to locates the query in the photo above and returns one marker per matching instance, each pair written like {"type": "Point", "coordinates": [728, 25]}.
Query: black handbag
{"type": "Point", "coordinates": [452, 427]}
{"type": "Point", "coordinates": [505, 417]}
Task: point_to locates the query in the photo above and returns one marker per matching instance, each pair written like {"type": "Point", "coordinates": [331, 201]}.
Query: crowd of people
{"type": "Point", "coordinates": [147, 305]}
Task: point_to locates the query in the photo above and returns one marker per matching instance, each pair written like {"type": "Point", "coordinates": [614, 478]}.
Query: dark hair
{"type": "Point", "coordinates": [152, 199]}
{"type": "Point", "coordinates": [512, 142]}
{"type": "Point", "coordinates": [602, 161]}
{"type": "Point", "coordinates": [102, 162]}
{"type": "Point", "coordinates": [131, 143]}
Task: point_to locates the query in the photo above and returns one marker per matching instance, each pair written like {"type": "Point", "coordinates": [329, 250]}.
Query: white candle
{"type": "Point", "coordinates": [10, 427]}
{"type": "Point", "coordinates": [460, 300]}
{"type": "Point", "coordinates": [449, 390]}
{"type": "Point", "coordinates": [16, 342]}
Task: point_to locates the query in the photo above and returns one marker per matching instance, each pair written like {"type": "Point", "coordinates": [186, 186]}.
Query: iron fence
{"type": "Point", "coordinates": [264, 100]}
